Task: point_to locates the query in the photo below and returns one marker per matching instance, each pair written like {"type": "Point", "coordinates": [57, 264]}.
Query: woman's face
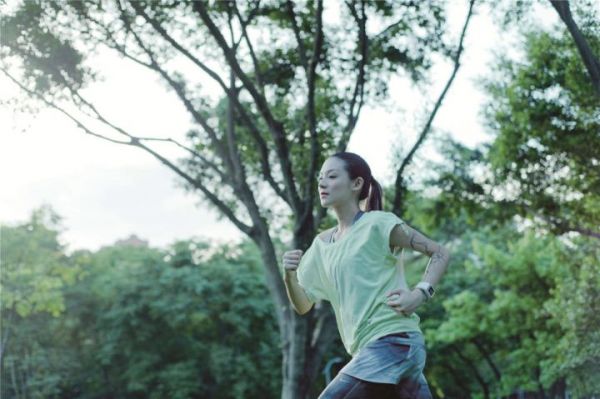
{"type": "Point", "coordinates": [335, 186]}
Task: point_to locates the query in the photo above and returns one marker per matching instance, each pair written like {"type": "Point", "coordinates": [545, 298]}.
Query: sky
{"type": "Point", "coordinates": [106, 192]}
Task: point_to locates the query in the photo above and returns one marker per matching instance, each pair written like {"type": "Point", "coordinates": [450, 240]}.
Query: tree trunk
{"type": "Point", "coordinates": [469, 363]}
{"type": "Point", "coordinates": [488, 358]}
{"type": "Point", "coordinates": [7, 324]}
{"type": "Point", "coordinates": [305, 338]}
{"type": "Point", "coordinates": [589, 59]}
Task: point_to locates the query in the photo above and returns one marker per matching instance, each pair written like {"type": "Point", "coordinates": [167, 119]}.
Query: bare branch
{"type": "Point", "coordinates": [256, 135]}
{"type": "Point", "coordinates": [224, 208]}
{"type": "Point", "coordinates": [275, 127]}
{"type": "Point", "coordinates": [134, 141]}
{"type": "Point", "coordinates": [399, 184]}
{"type": "Point", "coordinates": [358, 94]}
{"type": "Point", "coordinates": [243, 24]}
{"type": "Point", "coordinates": [311, 111]}
{"type": "Point", "coordinates": [225, 178]}
{"type": "Point", "coordinates": [590, 61]}
{"type": "Point", "coordinates": [61, 110]}
{"type": "Point", "coordinates": [179, 90]}
{"type": "Point", "coordinates": [301, 48]}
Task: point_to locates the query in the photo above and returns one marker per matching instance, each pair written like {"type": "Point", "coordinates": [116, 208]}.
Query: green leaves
{"type": "Point", "coordinates": [49, 60]}
{"type": "Point", "coordinates": [521, 309]}
{"type": "Point", "coordinates": [34, 268]}
{"type": "Point", "coordinates": [193, 320]}
{"type": "Point", "coordinates": [546, 117]}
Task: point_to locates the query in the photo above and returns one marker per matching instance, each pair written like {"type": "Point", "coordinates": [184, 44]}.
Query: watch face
{"type": "Point", "coordinates": [431, 291]}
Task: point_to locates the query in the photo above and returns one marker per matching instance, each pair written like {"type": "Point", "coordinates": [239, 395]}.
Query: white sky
{"type": "Point", "coordinates": [106, 191]}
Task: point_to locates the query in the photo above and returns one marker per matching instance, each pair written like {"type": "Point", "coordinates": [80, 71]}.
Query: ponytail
{"type": "Point", "coordinates": [375, 198]}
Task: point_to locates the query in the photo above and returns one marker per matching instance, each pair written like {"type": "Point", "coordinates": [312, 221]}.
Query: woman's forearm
{"type": "Point", "coordinates": [295, 292]}
{"type": "Point", "coordinates": [438, 263]}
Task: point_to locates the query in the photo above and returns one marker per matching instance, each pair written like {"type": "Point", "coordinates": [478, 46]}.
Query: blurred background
{"type": "Point", "coordinates": [157, 159]}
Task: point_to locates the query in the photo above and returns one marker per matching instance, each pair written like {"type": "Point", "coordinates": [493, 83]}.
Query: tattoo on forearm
{"type": "Point", "coordinates": [419, 244]}
{"type": "Point", "coordinates": [438, 260]}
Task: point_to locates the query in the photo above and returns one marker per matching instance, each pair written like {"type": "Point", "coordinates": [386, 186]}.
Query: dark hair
{"type": "Point", "coordinates": [356, 166]}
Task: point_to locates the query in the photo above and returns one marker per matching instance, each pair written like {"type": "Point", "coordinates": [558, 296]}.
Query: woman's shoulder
{"type": "Point", "coordinates": [325, 235]}
{"type": "Point", "coordinates": [384, 219]}
{"type": "Point", "coordinates": [380, 214]}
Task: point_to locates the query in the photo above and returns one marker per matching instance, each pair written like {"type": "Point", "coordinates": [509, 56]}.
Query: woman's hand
{"type": "Point", "coordinates": [405, 302]}
{"type": "Point", "coordinates": [291, 260]}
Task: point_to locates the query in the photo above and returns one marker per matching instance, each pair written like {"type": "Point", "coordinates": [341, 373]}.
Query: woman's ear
{"type": "Point", "coordinates": [357, 182]}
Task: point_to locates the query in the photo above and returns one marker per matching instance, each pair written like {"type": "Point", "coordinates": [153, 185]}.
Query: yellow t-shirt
{"type": "Point", "coordinates": [354, 274]}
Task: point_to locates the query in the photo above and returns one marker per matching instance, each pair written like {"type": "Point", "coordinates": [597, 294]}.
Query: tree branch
{"type": "Point", "coordinates": [275, 127]}
{"type": "Point", "coordinates": [195, 154]}
{"type": "Point", "coordinates": [363, 47]}
{"type": "Point", "coordinates": [488, 357]}
{"type": "Point", "coordinates": [243, 24]}
{"type": "Point", "coordinates": [261, 144]}
{"type": "Point", "coordinates": [471, 366]}
{"type": "Point", "coordinates": [399, 184]}
{"type": "Point", "coordinates": [179, 90]}
{"type": "Point", "coordinates": [245, 193]}
{"type": "Point", "coordinates": [590, 61]}
{"type": "Point", "coordinates": [301, 49]}
{"type": "Point", "coordinates": [311, 113]}
{"type": "Point", "coordinates": [248, 230]}
{"type": "Point", "coordinates": [135, 141]}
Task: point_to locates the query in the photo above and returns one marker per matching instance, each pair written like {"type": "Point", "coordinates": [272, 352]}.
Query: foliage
{"type": "Point", "coordinates": [514, 312]}
{"type": "Point", "coordinates": [49, 48]}
{"type": "Point", "coordinates": [34, 266]}
{"type": "Point", "coordinates": [545, 155]}
{"type": "Point", "coordinates": [521, 297]}
{"type": "Point", "coordinates": [192, 321]}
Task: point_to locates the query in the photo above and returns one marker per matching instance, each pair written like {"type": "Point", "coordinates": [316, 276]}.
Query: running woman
{"type": "Point", "coordinates": [355, 266]}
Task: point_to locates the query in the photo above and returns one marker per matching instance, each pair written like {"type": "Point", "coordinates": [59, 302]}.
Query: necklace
{"type": "Point", "coordinates": [356, 217]}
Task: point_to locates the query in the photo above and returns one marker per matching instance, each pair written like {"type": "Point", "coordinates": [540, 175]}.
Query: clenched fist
{"type": "Point", "coordinates": [291, 259]}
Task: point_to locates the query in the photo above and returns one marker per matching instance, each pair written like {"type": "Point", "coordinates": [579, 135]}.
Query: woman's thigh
{"type": "Point", "coordinates": [344, 386]}
{"type": "Point", "coordinates": [413, 389]}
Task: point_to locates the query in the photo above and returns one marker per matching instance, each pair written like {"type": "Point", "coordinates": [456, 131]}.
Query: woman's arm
{"type": "Point", "coordinates": [295, 292]}
{"type": "Point", "coordinates": [404, 236]}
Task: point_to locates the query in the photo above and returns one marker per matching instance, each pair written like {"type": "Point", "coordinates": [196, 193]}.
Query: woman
{"type": "Point", "coordinates": [354, 266]}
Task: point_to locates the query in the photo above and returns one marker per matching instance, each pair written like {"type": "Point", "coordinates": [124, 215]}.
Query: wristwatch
{"type": "Point", "coordinates": [426, 288]}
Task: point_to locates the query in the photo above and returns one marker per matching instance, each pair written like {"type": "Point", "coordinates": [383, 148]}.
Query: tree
{"type": "Point", "coordinates": [544, 158]}
{"type": "Point", "coordinates": [581, 32]}
{"type": "Point", "coordinates": [588, 55]}
{"type": "Point", "coordinates": [515, 312]}
{"type": "Point", "coordinates": [35, 272]}
{"type": "Point", "coordinates": [193, 320]}
{"type": "Point", "coordinates": [542, 163]}
{"type": "Point", "coordinates": [293, 84]}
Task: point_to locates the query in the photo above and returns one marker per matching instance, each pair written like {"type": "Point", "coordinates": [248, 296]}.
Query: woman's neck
{"type": "Point", "coordinates": [345, 215]}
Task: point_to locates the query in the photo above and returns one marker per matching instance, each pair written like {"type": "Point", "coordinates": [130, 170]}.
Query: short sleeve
{"type": "Point", "coordinates": [310, 273]}
{"type": "Point", "coordinates": [386, 223]}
